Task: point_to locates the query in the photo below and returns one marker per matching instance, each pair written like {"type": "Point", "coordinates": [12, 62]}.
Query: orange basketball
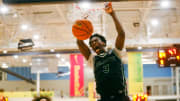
{"type": "Point", "coordinates": [82, 29]}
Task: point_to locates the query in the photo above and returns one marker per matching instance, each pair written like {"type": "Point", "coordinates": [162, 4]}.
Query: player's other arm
{"type": "Point", "coordinates": [84, 49]}
{"type": "Point", "coordinates": [121, 34]}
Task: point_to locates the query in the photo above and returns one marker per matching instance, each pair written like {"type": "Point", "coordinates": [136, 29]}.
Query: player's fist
{"type": "Point", "coordinates": [108, 7]}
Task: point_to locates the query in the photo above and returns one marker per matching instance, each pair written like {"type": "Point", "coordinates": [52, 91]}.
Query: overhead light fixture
{"type": "Point", "coordinates": [24, 60]}
{"type": "Point", "coordinates": [84, 5]}
{"type": "Point", "coordinates": [25, 44]}
{"type": "Point", "coordinates": [139, 48]}
{"type": "Point", "coordinates": [15, 56]}
{"type": "Point", "coordinates": [52, 50]}
{"type": "Point", "coordinates": [4, 65]}
{"type": "Point", "coordinates": [57, 55]}
{"type": "Point", "coordinates": [24, 26]}
{"type": "Point", "coordinates": [165, 4]}
{"type": "Point", "coordinates": [4, 51]}
{"type": "Point", "coordinates": [36, 37]}
{"type": "Point", "coordinates": [4, 9]}
{"type": "Point", "coordinates": [136, 24]}
{"type": "Point", "coordinates": [154, 22]}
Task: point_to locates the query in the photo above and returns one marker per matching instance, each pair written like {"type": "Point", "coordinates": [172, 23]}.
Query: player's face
{"type": "Point", "coordinates": [97, 45]}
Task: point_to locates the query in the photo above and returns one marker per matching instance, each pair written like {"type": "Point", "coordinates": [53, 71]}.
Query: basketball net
{"type": "Point", "coordinates": [92, 13]}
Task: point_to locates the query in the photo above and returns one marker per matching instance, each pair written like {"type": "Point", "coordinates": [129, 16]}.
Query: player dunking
{"type": "Point", "coordinates": [108, 67]}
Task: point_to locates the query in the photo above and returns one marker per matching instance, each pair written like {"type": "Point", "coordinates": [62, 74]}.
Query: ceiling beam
{"type": "Point", "coordinates": [61, 13]}
{"type": "Point", "coordinates": [41, 52]}
{"type": "Point", "coordinates": [55, 1]}
{"type": "Point", "coordinates": [17, 75]}
{"type": "Point", "coordinates": [75, 51]}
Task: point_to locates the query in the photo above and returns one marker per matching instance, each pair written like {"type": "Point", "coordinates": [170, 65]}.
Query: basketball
{"type": "Point", "coordinates": [82, 29]}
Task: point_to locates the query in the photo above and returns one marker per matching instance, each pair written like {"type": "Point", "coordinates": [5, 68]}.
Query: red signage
{"type": "Point", "coordinates": [76, 75]}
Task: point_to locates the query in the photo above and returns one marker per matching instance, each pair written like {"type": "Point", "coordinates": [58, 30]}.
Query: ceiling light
{"type": "Point", "coordinates": [15, 56]}
{"type": "Point", "coordinates": [4, 9]}
{"type": "Point", "coordinates": [4, 65]}
{"type": "Point", "coordinates": [4, 51]}
{"type": "Point", "coordinates": [36, 37]}
{"type": "Point", "coordinates": [52, 50]}
{"type": "Point", "coordinates": [154, 22]}
{"type": "Point", "coordinates": [139, 48]}
{"type": "Point", "coordinates": [57, 55]}
{"type": "Point", "coordinates": [24, 27]}
{"type": "Point", "coordinates": [24, 60]}
{"type": "Point", "coordinates": [84, 5]}
{"type": "Point", "coordinates": [165, 4]}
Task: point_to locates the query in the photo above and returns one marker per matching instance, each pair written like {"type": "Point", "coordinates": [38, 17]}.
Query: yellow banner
{"type": "Point", "coordinates": [92, 91]}
{"type": "Point", "coordinates": [26, 94]}
{"type": "Point", "coordinates": [135, 73]}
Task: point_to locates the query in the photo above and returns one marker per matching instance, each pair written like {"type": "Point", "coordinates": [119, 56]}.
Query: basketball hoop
{"type": "Point", "coordinates": [92, 13]}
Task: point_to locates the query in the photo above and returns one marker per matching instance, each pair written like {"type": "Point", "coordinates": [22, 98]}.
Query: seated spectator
{"type": "Point", "coordinates": [42, 98]}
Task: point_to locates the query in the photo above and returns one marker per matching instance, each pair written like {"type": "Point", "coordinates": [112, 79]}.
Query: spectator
{"type": "Point", "coordinates": [42, 98]}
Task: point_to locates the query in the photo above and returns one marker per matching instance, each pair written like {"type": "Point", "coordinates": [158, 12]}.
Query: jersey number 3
{"type": "Point", "coordinates": [106, 68]}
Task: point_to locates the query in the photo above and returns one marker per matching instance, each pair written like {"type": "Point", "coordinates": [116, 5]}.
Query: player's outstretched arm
{"type": "Point", "coordinates": [121, 34]}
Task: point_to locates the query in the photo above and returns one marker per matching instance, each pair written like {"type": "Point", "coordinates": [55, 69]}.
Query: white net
{"type": "Point", "coordinates": [85, 11]}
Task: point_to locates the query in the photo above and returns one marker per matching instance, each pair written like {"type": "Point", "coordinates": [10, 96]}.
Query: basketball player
{"type": "Point", "coordinates": [108, 67]}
